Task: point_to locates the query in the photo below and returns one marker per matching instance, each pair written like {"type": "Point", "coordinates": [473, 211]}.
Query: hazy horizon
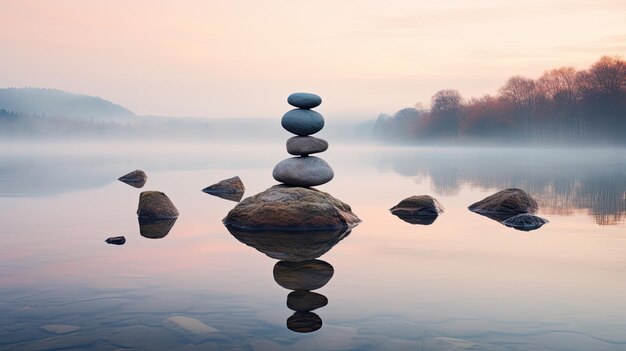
{"type": "Point", "coordinates": [242, 59]}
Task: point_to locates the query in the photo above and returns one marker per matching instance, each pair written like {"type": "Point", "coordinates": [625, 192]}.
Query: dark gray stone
{"type": "Point", "coordinates": [505, 204]}
{"type": "Point", "coordinates": [135, 178]}
{"type": "Point", "coordinates": [303, 171]}
{"type": "Point", "coordinates": [418, 209]}
{"type": "Point", "coordinates": [304, 322]}
{"type": "Point", "coordinates": [306, 145]}
{"type": "Point", "coordinates": [305, 275]}
{"type": "Point", "coordinates": [116, 240]}
{"type": "Point", "coordinates": [525, 222]}
{"type": "Point", "coordinates": [304, 100]}
{"type": "Point", "coordinates": [304, 301]}
{"type": "Point", "coordinates": [153, 228]}
{"type": "Point", "coordinates": [302, 122]}
{"type": "Point", "coordinates": [155, 204]}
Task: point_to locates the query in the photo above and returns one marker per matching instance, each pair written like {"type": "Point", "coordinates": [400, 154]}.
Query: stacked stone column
{"type": "Point", "coordinates": [303, 170]}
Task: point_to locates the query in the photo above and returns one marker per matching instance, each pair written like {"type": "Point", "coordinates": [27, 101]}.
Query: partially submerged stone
{"type": "Point", "coordinates": [418, 209]}
{"type": "Point", "coordinates": [229, 189]}
{"type": "Point", "coordinates": [291, 208]}
{"type": "Point", "coordinates": [291, 245]}
{"type": "Point", "coordinates": [191, 328]}
{"type": "Point", "coordinates": [304, 301]}
{"type": "Point", "coordinates": [135, 178]}
{"type": "Point", "coordinates": [525, 222]}
{"type": "Point", "coordinates": [60, 328]}
{"type": "Point", "coordinates": [116, 240]}
{"type": "Point", "coordinates": [154, 228]}
{"type": "Point", "coordinates": [305, 275]}
{"type": "Point", "coordinates": [303, 171]}
{"type": "Point", "coordinates": [505, 204]}
{"type": "Point", "coordinates": [156, 205]}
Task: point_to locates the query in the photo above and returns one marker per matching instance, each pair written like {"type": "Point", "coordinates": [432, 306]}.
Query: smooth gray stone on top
{"type": "Point", "coordinates": [303, 171]}
{"type": "Point", "coordinates": [306, 145]}
{"type": "Point", "coordinates": [304, 100]}
{"type": "Point", "coordinates": [302, 122]}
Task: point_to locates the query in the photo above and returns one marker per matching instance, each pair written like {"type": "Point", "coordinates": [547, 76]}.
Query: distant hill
{"type": "Point", "coordinates": [53, 102]}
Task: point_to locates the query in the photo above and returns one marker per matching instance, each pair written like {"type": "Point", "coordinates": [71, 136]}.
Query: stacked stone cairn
{"type": "Point", "coordinates": [303, 170]}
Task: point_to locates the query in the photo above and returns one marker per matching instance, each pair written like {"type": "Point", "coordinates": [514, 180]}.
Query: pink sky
{"type": "Point", "coordinates": [242, 58]}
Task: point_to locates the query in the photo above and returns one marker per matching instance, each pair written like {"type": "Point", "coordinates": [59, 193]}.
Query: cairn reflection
{"type": "Point", "coordinates": [299, 268]}
{"type": "Point", "coordinates": [152, 228]}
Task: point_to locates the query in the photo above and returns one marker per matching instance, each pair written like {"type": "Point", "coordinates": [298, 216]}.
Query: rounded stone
{"type": "Point", "coordinates": [155, 204]}
{"type": "Point", "coordinates": [305, 275]}
{"type": "Point", "coordinates": [303, 171]}
{"type": "Point", "coordinates": [306, 145]}
{"type": "Point", "coordinates": [304, 322]}
{"type": "Point", "coordinates": [302, 122]}
{"type": "Point", "coordinates": [304, 100]}
{"type": "Point", "coordinates": [305, 301]}
{"type": "Point", "coordinates": [505, 204]}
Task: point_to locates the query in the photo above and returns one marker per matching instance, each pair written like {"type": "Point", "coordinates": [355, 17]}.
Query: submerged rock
{"type": "Point", "coordinates": [116, 240]}
{"type": "Point", "coordinates": [291, 208]}
{"type": "Point", "coordinates": [60, 328]}
{"type": "Point", "coordinates": [291, 245]}
{"type": "Point", "coordinates": [229, 189]}
{"type": "Point", "coordinates": [304, 322]}
{"type": "Point", "coordinates": [153, 228]}
{"type": "Point", "coordinates": [303, 146]}
{"type": "Point", "coordinates": [505, 204]}
{"type": "Point", "coordinates": [525, 222]}
{"type": "Point", "coordinates": [418, 209]}
{"type": "Point", "coordinates": [302, 122]}
{"type": "Point", "coordinates": [155, 204]}
{"type": "Point", "coordinates": [191, 328]}
{"type": "Point", "coordinates": [304, 100]}
{"type": "Point", "coordinates": [303, 171]}
{"type": "Point", "coordinates": [304, 301]}
{"type": "Point", "coordinates": [135, 178]}
{"type": "Point", "coordinates": [305, 275]}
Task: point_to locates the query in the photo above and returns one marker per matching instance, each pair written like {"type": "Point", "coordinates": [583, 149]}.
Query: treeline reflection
{"type": "Point", "coordinates": [564, 181]}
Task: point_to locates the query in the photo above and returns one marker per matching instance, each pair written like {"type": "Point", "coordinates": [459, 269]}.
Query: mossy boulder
{"type": "Point", "coordinates": [283, 207]}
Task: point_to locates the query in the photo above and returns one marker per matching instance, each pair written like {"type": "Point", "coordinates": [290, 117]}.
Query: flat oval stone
{"type": "Point", "coordinates": [304, 100]}
{"type": "Point", "coordinates": [306, 145]}
{"type": "Point", "coordinates": [302, 122]}
{"type": "Point", "coordinates": [303, 171]}
{"type": "Point", "coordinates": [305, 275]}
{"type": "Point", "coordinates": [305, 301]}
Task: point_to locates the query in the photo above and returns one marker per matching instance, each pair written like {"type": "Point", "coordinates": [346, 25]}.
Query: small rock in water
{"type": "Point", "coordinates": [60, 328]}
{"type": "Point", "coordinates": [302, 122]}
{"type": "Point", "coordinates": [135, 178]}
{"type": "Point", "coordinates": [304, 322]}
{"type": "Point", "coordinates": [189, 327]}
{"type": "Point", "coordinates": [155, 204]}
{"type": "Point", "coordinates": [304, 100]}
{"type": "Point", "coordinates": [305, 275]}
{"type": "Point", "coordinates": [525, 222]}
{"type": "Point", "coordinates": [303, 171]}
{"type": "Point", "coordinates": [303, 146]}
{"type": "Point", "coordinates": [304, 301]}
{"type": "Point", "coordinates": [505, 204]}
{"type": "Point", "coordinates": [230, 189]}
{"type": "Point", "coordinates": [419, 209]}
{"type": "Point", "coordinates": [116, 240]}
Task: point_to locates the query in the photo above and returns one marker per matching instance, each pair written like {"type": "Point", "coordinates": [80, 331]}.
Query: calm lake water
{"type": "Point", "coordinates": [463, 283]}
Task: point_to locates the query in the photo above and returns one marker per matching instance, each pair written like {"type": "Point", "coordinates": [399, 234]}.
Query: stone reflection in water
{"type": "Point", "coordinates": [418, 209]}
{"type": "Point", "coordinates": [153, 228]}
{"type": "Point", "coordinates": [299, 269]}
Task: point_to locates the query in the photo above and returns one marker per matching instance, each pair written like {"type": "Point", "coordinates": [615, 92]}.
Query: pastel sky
{"type": "Point", "coordinates": [242, 58]}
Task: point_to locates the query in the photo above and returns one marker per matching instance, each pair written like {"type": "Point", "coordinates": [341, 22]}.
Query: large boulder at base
{"type": "Point", "coordinates": [302, 122]}
{"type": "Point", "coordinates": [135, 178]}
{"type": "Point", "coordinates": [418, 209]}
{"type": "Point", "coordinates": [304, 100]}
{"type": "Point", "coordinates": [229, 189]}
{"type": "Point", "coordinates": [303, 171]}
{"type": "Point", "coordinates": [153, 228]}
{"type": "Point", "coordinates": [505, 204]}
{"type": "Point", "coordinates": [155, 204]}
{"type": "Point", "coordinates": [304, 322]}
{"type": "Point", "coordinates": [303, 146]}
{"type": "Point", "coordinates": [305, 275]}
{"type": "Point", "coordinates": [291, 245]}
{"type": "Point", "coordinates": [304, 301]}
{"type": "Point", "coordinates": [291, 208]}
{"type": "Point", "coordinates": [525, 222]}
